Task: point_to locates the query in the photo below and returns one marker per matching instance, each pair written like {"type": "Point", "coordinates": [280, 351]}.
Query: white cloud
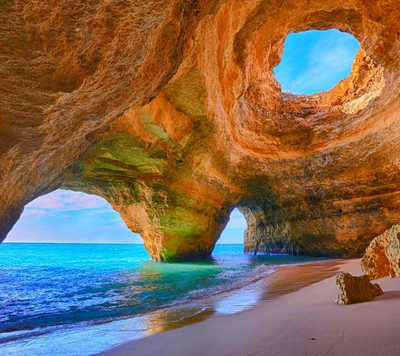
{"type": "Point", "coordinates": [323, 62]}
{"type": "Point", "coordinates": [66, 200]}
{"type": "Point", "coordinates": [36, 213]}
{"type": "Point", "coordinates": [66, 216]}
{"type": "Point", "coordinates": [330, 67]}
{"type": "Point", "coordinates": [101, 210]}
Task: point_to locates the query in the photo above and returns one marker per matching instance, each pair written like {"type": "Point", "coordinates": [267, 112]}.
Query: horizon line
{"type": "Point", "coordinates": [91, 243]}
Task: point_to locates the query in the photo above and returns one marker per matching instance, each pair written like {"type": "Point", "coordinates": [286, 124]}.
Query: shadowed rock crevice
{"type": "Point", "coordinates": [268, 230]}
{"type": "Point", "coordinates": [170, 110]}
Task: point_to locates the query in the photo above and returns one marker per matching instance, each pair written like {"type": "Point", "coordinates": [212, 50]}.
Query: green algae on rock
{"type": "Point", "coordinates": [172, 113]}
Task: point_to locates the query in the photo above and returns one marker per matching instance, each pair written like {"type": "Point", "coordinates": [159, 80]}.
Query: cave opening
{"type": "Point", "coordinates": [234, 230]}
{"type": "Point", "coordinates": [65, 216]}
{"type": "Point", "coordinates": [315, 61]}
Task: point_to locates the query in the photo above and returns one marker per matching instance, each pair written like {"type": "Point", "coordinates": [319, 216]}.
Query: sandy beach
{"type": "Point", "coordinates": [303, 322]}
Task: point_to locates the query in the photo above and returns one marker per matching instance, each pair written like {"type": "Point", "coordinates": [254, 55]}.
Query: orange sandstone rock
{"type": "Point", "coordinates": [382, 257]}
{"type": "Point", "coordinates": [356, 289]}
{"type": "Point", "coordinates": [169, 109]}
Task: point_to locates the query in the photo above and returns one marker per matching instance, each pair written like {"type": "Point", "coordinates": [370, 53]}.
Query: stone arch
{"type": "Point", "coordinates": [188, 121]}
{"type": "Point", "coordinates": [70, 217]}
{"type": "Point", "coordinates": [61, 95]}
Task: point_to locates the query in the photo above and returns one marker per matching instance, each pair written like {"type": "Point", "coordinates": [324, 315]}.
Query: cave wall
{"type": "Point", "coordinates": [170, 111]}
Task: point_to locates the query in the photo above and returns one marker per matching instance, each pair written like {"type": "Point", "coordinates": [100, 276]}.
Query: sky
{"type": "Point", "coordinates": [312, 61]}
{"type": "Point", "coordinates": [315, 61]}
{"type": "Point", "coordinates": [74, 217]}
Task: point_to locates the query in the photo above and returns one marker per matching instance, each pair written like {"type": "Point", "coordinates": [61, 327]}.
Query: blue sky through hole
{"type": "Point", "coordinates": [74, 217]}
{"type": "Point", "coordinates": [312, 61]}
{"type": "Point", "coordinates": [315, 61]}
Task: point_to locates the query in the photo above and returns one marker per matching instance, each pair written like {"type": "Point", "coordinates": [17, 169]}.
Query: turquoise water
{"type": "Point", "coordinates": [47, 290]}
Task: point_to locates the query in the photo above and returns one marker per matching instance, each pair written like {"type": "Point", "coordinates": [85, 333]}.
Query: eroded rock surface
{"type": "Point", "coordinates": [356, 289]}
{"type": "Point", "coordinates": [169, 109]}
{"type": "Point", "coordinates": [382, 257]}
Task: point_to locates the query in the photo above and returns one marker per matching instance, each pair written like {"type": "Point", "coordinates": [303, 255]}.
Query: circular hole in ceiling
{"type": "Point", "coordinates": [315, 61]}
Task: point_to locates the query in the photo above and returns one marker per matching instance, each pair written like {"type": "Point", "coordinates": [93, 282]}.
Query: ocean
{"type": "Point", "coordinates": [80, 299]}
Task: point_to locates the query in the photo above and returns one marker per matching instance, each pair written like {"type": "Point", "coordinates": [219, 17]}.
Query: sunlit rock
{"type": "Point", "coordinates": [382, 257]}
{"type": "Point", "coordinates": [172, 113]}
{"type": "Point", "coordinates": [355, 289]}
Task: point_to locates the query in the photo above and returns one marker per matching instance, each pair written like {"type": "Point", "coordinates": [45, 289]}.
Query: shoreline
{"type": "Point", "coordinates": [297, 320]}
{"type": "Point", "coordinates": [280, 282]}
{"type": "Point", "coordinates": [95, 337]}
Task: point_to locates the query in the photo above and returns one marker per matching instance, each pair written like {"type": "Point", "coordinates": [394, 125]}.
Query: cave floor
{"type": "Point", "coordinates": [305, 322]}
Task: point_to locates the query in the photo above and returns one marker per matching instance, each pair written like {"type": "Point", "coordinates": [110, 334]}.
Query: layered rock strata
{"type": "Point", "coordinates": [356, 289]}
{"type": "Point", "coordinates": [382, 257]}
{"type": "Point", "coordinates": [169, 109]}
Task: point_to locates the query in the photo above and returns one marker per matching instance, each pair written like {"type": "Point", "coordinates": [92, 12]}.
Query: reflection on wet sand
{"type": "Point", "coordinates": [169, 319]}
{"type": "Point", "coordinates": [290, 279]}
{"type": "Point", "coordinates": [175, 317]}
{"type": "Point", "coordinates": [285, 280]}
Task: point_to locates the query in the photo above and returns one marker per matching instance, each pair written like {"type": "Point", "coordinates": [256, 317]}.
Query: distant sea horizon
{"type": "Point", "coordinates": [93, 243]}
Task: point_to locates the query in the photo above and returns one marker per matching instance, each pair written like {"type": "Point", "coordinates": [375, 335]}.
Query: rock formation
{"type": "Point", "coordinates": [382, 257]}
{"type": "Point", "coordinates": [169, 109]}
{"type": "Point", "coordinates": [355, 289]}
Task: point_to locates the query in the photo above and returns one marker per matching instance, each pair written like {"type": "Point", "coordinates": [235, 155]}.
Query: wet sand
{"type": "Point", "coordinates": [304, 322]}
{"type": "Point", "coordinates": [284, 281]}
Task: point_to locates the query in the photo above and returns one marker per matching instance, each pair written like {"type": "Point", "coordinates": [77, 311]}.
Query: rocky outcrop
{"type": "Point", "coordinates": [382, 257]}
{"type": "Point", "coordinates": [170, 111]}
{"type": "Point", "coordinates": [355, 289]}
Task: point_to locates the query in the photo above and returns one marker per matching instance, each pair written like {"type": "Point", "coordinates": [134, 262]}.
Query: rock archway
{"type": "Point", "coordinates": [64, 216]}
{"type": "Point", "coordinates": [170, 110]}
